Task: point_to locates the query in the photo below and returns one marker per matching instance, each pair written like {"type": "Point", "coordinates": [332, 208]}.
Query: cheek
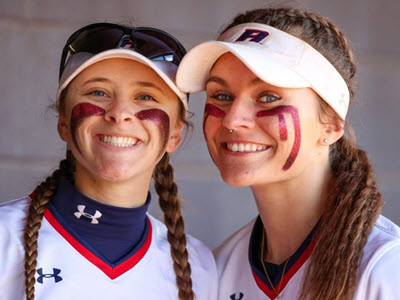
{"type": "Point", "coordinates": [79, 113]}
{"type": "Point", "coordinates": [279, 113]}
{"type": "Point", "coordinates": [160, 118]}
{"type": "Point", "coordinates": [214, 112]}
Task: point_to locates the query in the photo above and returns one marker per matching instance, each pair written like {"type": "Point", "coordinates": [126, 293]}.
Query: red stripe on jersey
{"type": "Point", "coordinates": [288, 275]}
{"type": "Point", "coordinates": [111, 272]}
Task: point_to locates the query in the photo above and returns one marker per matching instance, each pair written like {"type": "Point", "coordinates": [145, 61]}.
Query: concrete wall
{"type": "Point", "coordinates": [33, 32]}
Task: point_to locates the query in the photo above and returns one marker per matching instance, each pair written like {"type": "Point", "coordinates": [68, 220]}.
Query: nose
{"type": "Point", "coordinates": [119, 112]}
{"type": "Point", "coordinates": [240, 114]}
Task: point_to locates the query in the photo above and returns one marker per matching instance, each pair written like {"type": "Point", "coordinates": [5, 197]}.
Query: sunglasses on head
{"type": "Point", "coordinates": [152, 43]}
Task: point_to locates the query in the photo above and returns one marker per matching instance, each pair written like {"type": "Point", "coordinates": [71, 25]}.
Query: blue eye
{"type": "Point", "coordinates": [146, 97]}
{"type": "Point", "coordinates": [269, 98]}
{"type": "Point", "coordinates": [222, 97]}
{"type": "Point", "coordinates": [99, 93]}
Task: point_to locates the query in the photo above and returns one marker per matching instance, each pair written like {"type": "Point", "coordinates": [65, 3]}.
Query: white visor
{"type": "Point", "coordinates": [275, 56]}
{"type": "Point", "coordinates": [80, 61]}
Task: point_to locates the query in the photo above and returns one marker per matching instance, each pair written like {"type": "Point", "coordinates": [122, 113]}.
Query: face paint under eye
{"type": "Point", "coordinates": [79, 113]}
{"type": "Point", "coordinates": [161, 119]}
{"type": "Point", "coordinates": [212, 110]}
{"type": "Point", "coordinates": [280, 111]}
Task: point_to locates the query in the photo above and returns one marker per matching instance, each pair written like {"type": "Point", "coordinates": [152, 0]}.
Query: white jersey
{"type": "Point", "coordinates": [67, 270]}
{"type": "Point", "coordinates": [378, 276]}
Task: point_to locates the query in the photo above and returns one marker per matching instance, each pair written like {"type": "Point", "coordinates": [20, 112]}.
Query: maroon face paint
{"type": "Point", "coordinates": [212, 110]}
{"type": "Point", "coordinates": [280, 111]}
{"type": "Point", "coordinates": [161, 119]}
{"type": "Point", "coordinates": [79, 113]}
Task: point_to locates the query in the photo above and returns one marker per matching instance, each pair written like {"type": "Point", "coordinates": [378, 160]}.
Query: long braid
{"type": "Point", "coordinates": [354, 206]}
{"type": "Point", "coordinates": [355, 202]}
{"type": "Point", "coordinates": [41, 198]}
{"type": "Point", "coordinates": [170, 205]}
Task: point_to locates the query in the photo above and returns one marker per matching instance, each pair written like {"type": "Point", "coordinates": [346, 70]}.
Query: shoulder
{"type": "Point", "coordinates": [236, 244]}
{"type": "Point", "coordinates": [13, 213]}
{"type": "Point", "coordinates": [12, 223]}
{"type": "Point", "coordinates": [12, 220]}
{"type": "Point", "coordinates": [384, 235]}
{"type": "Point", "coordinates": [202, 263]}
{"type": "Point", "coordinates": [379, 277]}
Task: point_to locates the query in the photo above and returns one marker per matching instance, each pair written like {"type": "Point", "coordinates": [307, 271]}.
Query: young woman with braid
{"type": "Point", "coordinates": [84, 233]}
{"type": "Point", "coordinates": [278, 84]}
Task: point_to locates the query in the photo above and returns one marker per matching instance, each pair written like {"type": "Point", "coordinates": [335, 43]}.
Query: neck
{"type": "Point", "coordinates": [129, 194]}
{"type": "Point", "coordinates": [290, 210]}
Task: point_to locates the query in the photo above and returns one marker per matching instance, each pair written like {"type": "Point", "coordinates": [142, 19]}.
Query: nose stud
{"type": "Point", "coordinates": [231, 130]}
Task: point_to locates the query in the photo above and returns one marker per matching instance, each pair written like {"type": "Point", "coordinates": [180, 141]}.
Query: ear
{"type": "Point", "coordinates": [332, 131]}
{"type": "Point", "coordinates": [174, 139]}
{"type": "Point", "coordinates": [62, 128]}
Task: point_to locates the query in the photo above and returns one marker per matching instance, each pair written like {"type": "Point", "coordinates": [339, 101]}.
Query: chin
{"type": "Point", "coordinates": [113, 175]}
{"type": "Point", "coordinates": [237, 180]}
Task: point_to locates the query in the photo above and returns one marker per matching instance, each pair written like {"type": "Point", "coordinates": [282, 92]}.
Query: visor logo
{"type": "Point", "coordinates": [81, 212]}
{"type": "Point", "coordinates": [253, 35]}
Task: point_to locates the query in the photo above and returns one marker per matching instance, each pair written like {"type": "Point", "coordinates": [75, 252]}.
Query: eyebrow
{"type": "Point", "coordinates": [149, 84]}
{"type": "Point", "coordinates": [96, 79]}
{"type": "Point", "coordinates": [139, 83]}
{"type": "Point", "coordinates": [217, 80]}
{"type": "Point", "coordinates": [256, 81]}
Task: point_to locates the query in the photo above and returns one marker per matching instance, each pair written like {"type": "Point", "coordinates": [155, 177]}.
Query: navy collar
{"type": "Point", "coordinates": [91, 218]}
{"type": "Point", "coordinates": [275, 271]}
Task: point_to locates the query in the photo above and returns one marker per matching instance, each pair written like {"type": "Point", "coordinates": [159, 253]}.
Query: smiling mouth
{"type": "Point", "coordinates": [245, 147]}
{"type": "Point", "coordinates": [118, 141]}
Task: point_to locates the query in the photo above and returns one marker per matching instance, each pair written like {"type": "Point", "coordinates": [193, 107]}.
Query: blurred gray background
{"type": "Point", "coordinates": [33, 32]}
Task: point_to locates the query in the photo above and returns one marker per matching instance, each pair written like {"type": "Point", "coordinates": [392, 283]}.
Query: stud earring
{"type": "Point", "coordinates": [231, 130]}
{"type": "Point", "coordinates": [325, 141]}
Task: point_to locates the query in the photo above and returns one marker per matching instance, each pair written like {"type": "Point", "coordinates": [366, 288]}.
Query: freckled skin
{"type": "Point", "coordinates": [280, 111]}
{"type": "Point", "coordinates": [161, 119]}
{"type": "Point", "coordinates": [79, 113]}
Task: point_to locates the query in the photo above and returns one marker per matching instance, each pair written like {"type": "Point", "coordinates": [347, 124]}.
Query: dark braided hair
{"type": "Point", "coordinates": [355, 202]}
{"type": "Point", "coordinates": [167, 191]}
{"type": "Point", "coordinates": [169, 202]}
{"type": "Point", "coordinates": [40, 199]}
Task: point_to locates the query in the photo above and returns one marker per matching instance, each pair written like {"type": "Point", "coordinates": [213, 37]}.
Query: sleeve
{"type": "Point", "coordinates": [12, 220]}
{"type": "Point", "coordinates": [383, 278]}
{"type": "Point", "coordinates": [204, 270]}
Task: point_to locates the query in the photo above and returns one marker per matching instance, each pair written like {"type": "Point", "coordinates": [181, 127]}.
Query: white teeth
{"type": "Point", "coordinates": [240, 147]}
{"type": "Point", "coordinates": [118, 141]}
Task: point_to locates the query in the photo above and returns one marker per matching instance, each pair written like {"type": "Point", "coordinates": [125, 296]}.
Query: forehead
{"type": "Point", "coordinates": [230, 64]}
{"type": "Point", "coordinates": [121, 70]}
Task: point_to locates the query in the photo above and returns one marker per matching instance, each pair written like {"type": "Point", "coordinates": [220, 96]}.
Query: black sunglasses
{"type": "Point", "coordinates": [152, 43]}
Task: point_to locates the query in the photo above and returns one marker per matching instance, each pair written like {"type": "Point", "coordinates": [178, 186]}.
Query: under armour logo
{"type": "Point", "coordinates": [81, 212]}
{"type": "Point", "coordinates": [253, 35]}
{"type": "Point", "coordinates": [233, 296]}
{"type": "Point", "coordinates": [54, 275]}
